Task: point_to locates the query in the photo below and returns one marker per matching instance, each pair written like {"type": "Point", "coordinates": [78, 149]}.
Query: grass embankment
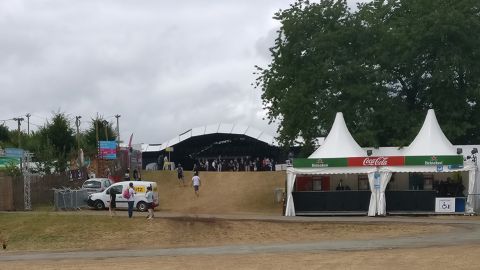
{"type": "Point", "coordinates": [220, 193]}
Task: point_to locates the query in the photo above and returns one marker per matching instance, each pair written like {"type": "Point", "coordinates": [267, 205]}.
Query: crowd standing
{"type": "Point", "coordinates": [242, 164]}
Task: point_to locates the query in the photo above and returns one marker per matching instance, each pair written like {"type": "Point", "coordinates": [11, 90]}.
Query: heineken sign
{"type": "Point", "coordinates": [379, 161]}
{"type": "Point", "coordinates": [433, 160]}
{"type": "Point", "coordinates": [319, 163]}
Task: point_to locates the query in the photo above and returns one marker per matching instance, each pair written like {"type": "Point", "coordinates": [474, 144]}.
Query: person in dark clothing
{"type": "Point", "coordinates": [135, 174]}
{"type": "Point", "coordinates": [180, 174]}
{"type": "Point", "coordinates": [113, 202]}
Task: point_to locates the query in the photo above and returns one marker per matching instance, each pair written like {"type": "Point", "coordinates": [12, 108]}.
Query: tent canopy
{"type": "Point", "coordinates": [430, 140]}
{"type": "Point", "coordinates": [339, 142]}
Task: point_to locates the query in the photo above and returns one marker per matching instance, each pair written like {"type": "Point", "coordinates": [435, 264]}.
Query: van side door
{"type": "Point", "coordinates": [121, 201]}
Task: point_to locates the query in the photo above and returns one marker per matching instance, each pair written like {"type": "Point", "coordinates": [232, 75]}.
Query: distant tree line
{"type": "Point", "coordinates": [55, 144]}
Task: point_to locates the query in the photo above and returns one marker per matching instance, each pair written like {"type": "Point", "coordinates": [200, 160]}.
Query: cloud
{"type": "Point", "coordinates": [165, 66]}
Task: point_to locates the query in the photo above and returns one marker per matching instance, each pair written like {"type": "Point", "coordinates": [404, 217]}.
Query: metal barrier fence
{"type": "Point", "coordinates": [70, 199]}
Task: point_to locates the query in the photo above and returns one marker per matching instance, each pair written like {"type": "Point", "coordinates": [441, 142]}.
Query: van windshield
{"type": "Point", "coordinates": [92, 184]}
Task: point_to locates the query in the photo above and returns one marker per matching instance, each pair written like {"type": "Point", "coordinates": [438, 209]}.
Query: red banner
{"type": "Point", "coordinates": [376, 161]}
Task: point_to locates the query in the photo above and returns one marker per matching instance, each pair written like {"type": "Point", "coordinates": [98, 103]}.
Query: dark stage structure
{"type": "Point", "coordinates": [222, 142]}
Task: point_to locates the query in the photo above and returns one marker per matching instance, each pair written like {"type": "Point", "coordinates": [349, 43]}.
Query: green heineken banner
{"type": "Point", "coordinates": [319, 163]}
{"type": "Point", "coordinates": [433, 160]}
{"type": "Point", "coordinates": [456, 161]}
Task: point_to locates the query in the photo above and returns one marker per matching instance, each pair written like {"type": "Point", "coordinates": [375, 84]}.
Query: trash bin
{"type": "Point", "coordinates": [460, 204]}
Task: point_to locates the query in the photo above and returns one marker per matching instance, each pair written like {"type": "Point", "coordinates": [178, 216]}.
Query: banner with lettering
{"type": "Point", "coordinates": [9, 161]}
{"type": "Point", "coordinates": [453, 161]}
{"type": "Point", "coordinates": [319, 163]}
{"type": "Point", "coordinates": [107, 150]}
{"type": "Point", "coordinates": [376, 161]}
{"type": "Point", "coordinates": [434, 160]}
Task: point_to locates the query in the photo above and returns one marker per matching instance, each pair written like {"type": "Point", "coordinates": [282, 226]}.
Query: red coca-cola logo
{"type": "Point", "coordinates": [376, 161]}
{"type": "Point", "coordinates": [379, 161]}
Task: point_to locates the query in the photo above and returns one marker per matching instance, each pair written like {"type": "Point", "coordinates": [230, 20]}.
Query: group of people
{"type": "Point", "coordinates": [450, 188]}
{"type": "Point", "coordinates": [195, 179]}
{"type": "Point", "coordinates": [129, 195]}
{"type": "Point", "coordinates": [136, 175]}
{"type": "Point", "coordinates": [234, 164]}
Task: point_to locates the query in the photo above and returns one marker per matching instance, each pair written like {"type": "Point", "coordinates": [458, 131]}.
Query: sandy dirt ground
{"type": "Point", "coordinates": [220, 193]}
{"type": "Point", "coordinates": [204, 232]}
{"type": "Point", "coordinates": [230, 197]}
{"type": "Point", "coordinates": [421, 258]}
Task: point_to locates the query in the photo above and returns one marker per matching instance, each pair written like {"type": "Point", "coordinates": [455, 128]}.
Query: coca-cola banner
{"type": "Point", "coordinates": [376, 161]}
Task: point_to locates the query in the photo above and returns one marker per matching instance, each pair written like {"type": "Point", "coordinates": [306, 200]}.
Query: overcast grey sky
{"type": "Point", "coordinates": [164, 66]}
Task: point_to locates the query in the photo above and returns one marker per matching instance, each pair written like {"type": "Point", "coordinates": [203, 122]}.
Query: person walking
{"type": "Point", "coordinates": [150, 206]}
{"type": "Point", "coordinates": [135, 175]}
{"type": "Point", "coordinates": [131, 199]}
{"type": "Point", "coordinates": [196, 184]}
{"type": "Point", "coordinates": [113, 202]}
{"type": "Point", "coordinates": [180, 174]}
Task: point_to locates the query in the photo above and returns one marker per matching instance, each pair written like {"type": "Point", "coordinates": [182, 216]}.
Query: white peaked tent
{"type": "Point", "coordinates": [339, 142]}
{"type": "Point", "coordinates": [430, 139]}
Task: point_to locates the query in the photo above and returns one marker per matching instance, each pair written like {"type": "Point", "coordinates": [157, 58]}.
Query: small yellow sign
{"type": "Point", "coordinates": [169, 149]}
{"type": "Point", "coordinates": [139, 189]}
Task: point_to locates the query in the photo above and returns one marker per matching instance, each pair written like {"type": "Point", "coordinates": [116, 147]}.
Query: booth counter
{"type": "Point", "coordinates": [358, 201]}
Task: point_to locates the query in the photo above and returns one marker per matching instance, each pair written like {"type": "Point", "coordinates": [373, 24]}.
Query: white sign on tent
{"type": "Point", "coordinates": [445, 205]}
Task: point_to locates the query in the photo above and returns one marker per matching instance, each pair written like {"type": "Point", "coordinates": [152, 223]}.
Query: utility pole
{"type": "Point", "coordinates": [118, 128]}
{"type": "Point", "coordinates": [28, 123]}
{"type": "Point", "coordinates": [18, 119]}
{"type": "Point", "coordinates": [26, 159]}
{"type": "Point", "coordinates": [77, 124]}
{"type": "Point", "coordinates": [105, 125]}
{"type": "Point", "coordinates": [96, 128]}
{"type": "Point", "coordinates": [98, 146]}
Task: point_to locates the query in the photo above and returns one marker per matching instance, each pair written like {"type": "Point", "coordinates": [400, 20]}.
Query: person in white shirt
{"type": "Point", "coordinates": [150, 202]}
{"type": "Point", "coordinates": [196, 183]}
{"type": "Point", "coordinates": [131, 199]}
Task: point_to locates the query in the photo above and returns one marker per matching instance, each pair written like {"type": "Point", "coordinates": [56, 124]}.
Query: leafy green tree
{"type": "Point", "coordinates": [53, 144]}
{"type": "Point", "coordinates": [382, 65]}
{"type": "Point", "coordinates": [45, 156]}
{"type": "Point", "coordinates": [4, 136]}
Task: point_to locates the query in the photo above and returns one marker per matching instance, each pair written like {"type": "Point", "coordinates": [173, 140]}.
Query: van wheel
{"type": "Point", "coordinates": [99, 205]}
{"type": "Point", "coordinates": [142, 206]}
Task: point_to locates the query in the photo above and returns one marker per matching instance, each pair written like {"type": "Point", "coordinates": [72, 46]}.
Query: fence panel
{"type": "Point", "coordinates": [70, 199]}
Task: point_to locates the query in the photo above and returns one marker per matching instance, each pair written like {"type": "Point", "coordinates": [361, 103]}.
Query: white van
{"type": "Point", "coordinates": [101, 200]}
